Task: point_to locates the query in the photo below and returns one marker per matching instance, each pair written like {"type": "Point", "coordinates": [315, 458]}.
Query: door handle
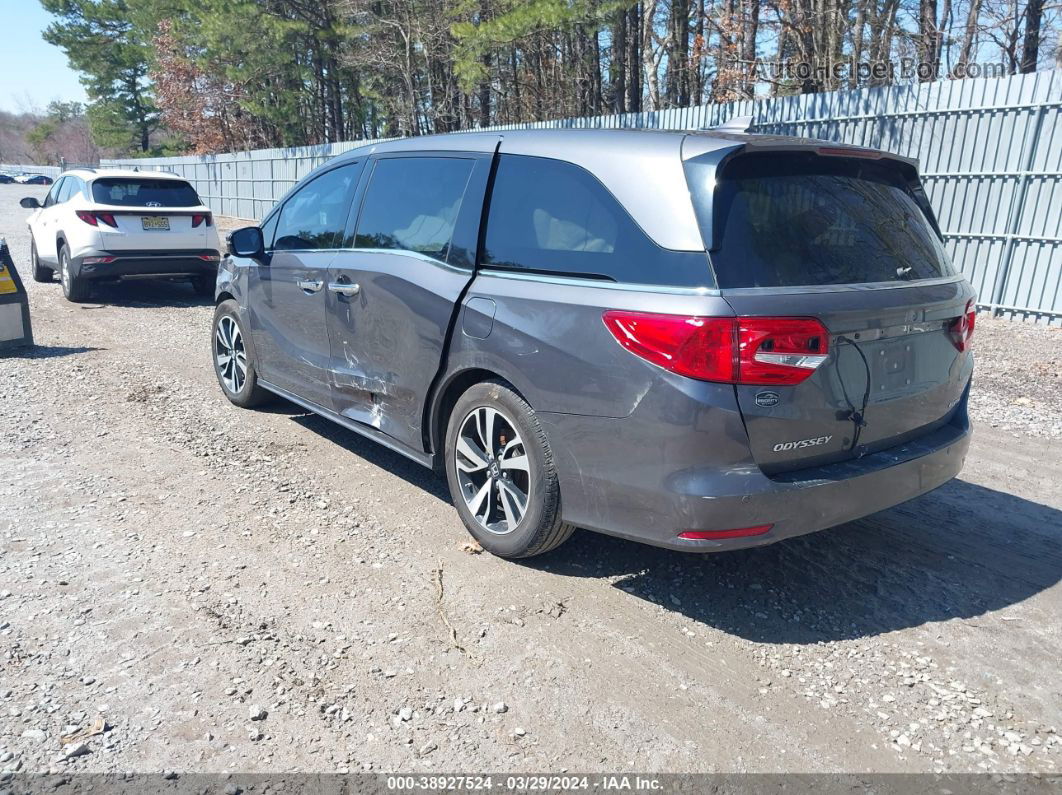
{"type": "Point", "coordinates": [310, 285]}
{"type": "Point", "coordinates": [344, 288]}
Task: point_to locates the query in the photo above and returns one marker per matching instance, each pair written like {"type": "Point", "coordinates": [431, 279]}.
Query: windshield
{"type": "Point", "coordinates": [136, 192]}
{"type": "Point", "coordinates": [790, 220]}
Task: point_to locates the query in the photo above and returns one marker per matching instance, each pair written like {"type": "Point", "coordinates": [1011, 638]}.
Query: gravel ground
{"type": "Point", "coordinates": [193, 587]}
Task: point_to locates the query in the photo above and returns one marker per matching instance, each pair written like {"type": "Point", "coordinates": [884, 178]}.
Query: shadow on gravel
{"type": "Point", "coordinates": [372, 452]}
{"type": "Point", "coordinates": [143, 293]}
{"type": "Point", "coordinates": [959, 552]}
{"type": "Point", "coordinates": [45, 352]}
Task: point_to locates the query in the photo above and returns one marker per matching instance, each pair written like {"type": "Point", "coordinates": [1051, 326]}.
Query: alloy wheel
{"type": "Point", "coordinates": [230, 354]}
{"type": "Point", "coordinates": [64, 270]}
{"type": "Point", "coordinates": [493, 470]}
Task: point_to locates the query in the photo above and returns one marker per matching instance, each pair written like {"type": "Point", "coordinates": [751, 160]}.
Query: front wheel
{"type": "Point", "coordinates": [39, 272]}
{"type": "Point", "coordinates": [233, 363]}
{"type": "Point", "coordinates": [500, 470]}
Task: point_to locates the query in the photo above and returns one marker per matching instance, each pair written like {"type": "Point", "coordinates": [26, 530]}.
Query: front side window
{"type": "Point", "coordinates": [792, 220]}
{"type": "Point", "coordinates": [144, 192]}
{"type": "Point", "coordinates": [412, 204]}
{"type": "Point", "coordinates": [313, 218]}
{"type": "Point", "coordinates": [70, 187]}
{"type": "Point", "coordinates": [53, 195]}
{"type": "Point", "coordinates": [549, 216]}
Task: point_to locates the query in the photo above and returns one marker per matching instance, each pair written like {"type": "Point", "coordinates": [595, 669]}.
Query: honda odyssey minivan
{"type": "Point", "coordinates": [698, 340]}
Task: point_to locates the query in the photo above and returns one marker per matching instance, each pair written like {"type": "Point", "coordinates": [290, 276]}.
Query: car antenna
{"type": "Point", "coordinates": [736, 124]}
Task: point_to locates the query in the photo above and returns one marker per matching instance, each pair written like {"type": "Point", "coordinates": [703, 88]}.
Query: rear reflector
{"type": "Point", "coordinates": [98, 260]}
{"type": "Point", "coordinates": [730, 350]}
{"type": "Point", "coordinates": [743, 532]}
{"type": "Point", "coordinates": [962, 328]}
{"type": "Point", "coordinates": [210, 257]}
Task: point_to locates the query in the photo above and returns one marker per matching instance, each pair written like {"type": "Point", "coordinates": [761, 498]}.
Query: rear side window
{"type": "Point", "coordinates": [412, 204]}
{"type": "Point", "coordinates": [785, 220]}
{"type": "Point", "coordinates": [313, 217]}
{"type": "Point", "coordinates": [549, 216]}
{"type": "Point", "coordinates": [144, 192]}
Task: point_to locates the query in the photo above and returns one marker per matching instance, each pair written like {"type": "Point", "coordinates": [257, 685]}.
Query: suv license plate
{"type": "Point", "coordinates": [155, 222]}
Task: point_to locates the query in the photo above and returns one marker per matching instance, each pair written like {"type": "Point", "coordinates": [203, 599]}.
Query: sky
{"type": "Point", "coordinates": [32, 72]}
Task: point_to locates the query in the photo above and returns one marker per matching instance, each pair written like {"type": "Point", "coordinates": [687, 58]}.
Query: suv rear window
{"type": "Point", "coordinates": [136, 192]}
{"type": "Point", "coordinates": [791, 220]}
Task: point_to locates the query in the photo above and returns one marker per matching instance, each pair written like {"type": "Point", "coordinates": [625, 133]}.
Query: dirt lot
{"type": "Point", "coordinates": [262, 591]}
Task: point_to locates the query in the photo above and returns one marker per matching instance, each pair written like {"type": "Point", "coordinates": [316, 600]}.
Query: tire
{"type": "Point", "coordinates": [38, 271]}
{"type": "Point", "coordinates": [492, 481]}
{"type": "Point", "coordinates": [204, 285]}
{"type": "Point", "coordinates": [75, 288]}
{"type": "Point", "coordinates": [245, 392]}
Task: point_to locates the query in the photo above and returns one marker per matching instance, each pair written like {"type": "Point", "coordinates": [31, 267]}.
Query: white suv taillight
{"type": "Point", "coordinates": [94, 219]}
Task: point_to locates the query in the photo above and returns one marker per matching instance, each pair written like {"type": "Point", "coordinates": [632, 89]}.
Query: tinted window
{"type": "Point", "coordinates": [144, 192]}
{"type": "Point", "coordinates": [793, 220]}
{"type": "Point", "coordinates": [554, 217]}
{"type": "Point", "coordinates": [313, 217]}
{"type": "Point", "coordinates": [412, 204]}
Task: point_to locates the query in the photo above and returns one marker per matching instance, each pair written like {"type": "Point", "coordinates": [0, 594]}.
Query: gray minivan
{"type": "Point", "coordinates": [698, 340]}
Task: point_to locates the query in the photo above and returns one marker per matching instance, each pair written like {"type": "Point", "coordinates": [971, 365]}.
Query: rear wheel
{"type": "Point", "coordinates": [500, 470]}
{"type": "Point", "coordinates": [39, 272]}
{"type": "Point", "coordinates": [233, 363]}
{"type": "Point", "coordinates": [75, 288]}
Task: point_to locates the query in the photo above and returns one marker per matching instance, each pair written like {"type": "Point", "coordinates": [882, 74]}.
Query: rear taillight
{"type": "Point", "coordinates": [92, 218]}
{"type": "Point", "coordinates": [962, 328]}
{"type": "Point", "coordinates": [698, 347]}
{"type": "Point", "coordinates": [199, 219]}
{"type": "Point", "coordinates": [780, 350]}
{"type": "Point", "coordinates": [732, 350]}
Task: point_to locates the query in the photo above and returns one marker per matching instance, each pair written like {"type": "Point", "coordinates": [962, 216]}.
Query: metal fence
{"type": "Point", "coordinates": [990, 151]}
{"type": "Point", "coordinates": [22, 168]}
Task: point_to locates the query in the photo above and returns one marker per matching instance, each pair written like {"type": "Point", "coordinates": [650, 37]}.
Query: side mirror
{"type": "Point", "coordinates": [30, 203]}
{"type": "Point", "coordinates": [247, 242]}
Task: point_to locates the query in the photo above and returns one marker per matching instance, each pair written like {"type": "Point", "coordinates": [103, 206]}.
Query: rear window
{"type": "Point", "coordinates": [137, 192]}
{"type": "Point", "coordinates": [785, 220]}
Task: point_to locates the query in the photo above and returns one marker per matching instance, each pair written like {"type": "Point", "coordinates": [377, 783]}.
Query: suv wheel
{"type": "Point", "coordinates": [501, 474]}
{"type": "Point", "coordinates": [233, 363]}
{"type": "Point", "coordinates": [75, 288]}
{"type": "Point", "coordinates": [39, 272]}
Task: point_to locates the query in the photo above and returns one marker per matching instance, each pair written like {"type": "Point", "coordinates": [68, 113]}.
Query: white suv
{"type": "Point", "coordinates": [109, 224]}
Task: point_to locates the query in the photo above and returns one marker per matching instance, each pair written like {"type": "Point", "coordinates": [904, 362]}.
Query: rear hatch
{"type": "Point", "coordinates": [849, 244]}
{"type": "Point", "coordinates": [150, 214]}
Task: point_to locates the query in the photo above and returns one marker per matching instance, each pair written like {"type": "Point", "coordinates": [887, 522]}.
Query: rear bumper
{"type": "Point", "coordinates": [159, 264]}
{"type": "Point", "coordinates": [649, 490]}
